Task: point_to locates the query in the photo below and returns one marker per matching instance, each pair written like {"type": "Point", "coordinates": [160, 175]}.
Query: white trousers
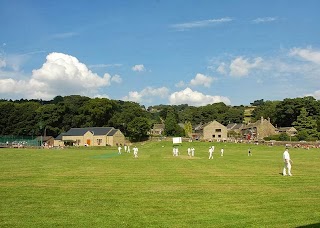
{"type": "Point", "coordinates": [287, 166]}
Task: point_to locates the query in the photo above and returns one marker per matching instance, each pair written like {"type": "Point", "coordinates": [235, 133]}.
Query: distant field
{"type": "Point", "coordinates": [96, 187]}
{"type": "Point", "coordinates": [247, 114]}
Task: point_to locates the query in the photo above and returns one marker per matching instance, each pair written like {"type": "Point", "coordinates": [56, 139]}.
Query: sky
{"type": "Point", "coordinates": [160, 51]}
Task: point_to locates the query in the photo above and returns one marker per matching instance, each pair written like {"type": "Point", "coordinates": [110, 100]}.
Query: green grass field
{"type": "Point", "coordinates": [96, 187]}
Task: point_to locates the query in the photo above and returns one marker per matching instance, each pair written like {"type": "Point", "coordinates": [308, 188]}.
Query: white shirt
{"type": "Point", "coordinates": [286, 156]}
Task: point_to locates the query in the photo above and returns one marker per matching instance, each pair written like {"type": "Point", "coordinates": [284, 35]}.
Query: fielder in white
{"type": "Point", "coordinates": [135, 152]}
{"type": "Point", "coordinates": [287, 163]}
{"type": "Point", "coordinates": [192, 152]}
{"type": "Point", "coordinates": [221, 152]}
{"type": "Point", "coordinates": [210, 153]}
{"type": "Point", "coordinates": [128, 149]}
{"type": "Point", "coordinates": [119, 149]}
{"type": "Point", "coordinates": [189, 151]}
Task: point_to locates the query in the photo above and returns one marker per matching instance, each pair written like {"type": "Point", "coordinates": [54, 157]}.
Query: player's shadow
{"type": "Point", "coordinates": [310, 226]}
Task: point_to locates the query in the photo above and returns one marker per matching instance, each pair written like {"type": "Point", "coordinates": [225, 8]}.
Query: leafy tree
{"type": "Point", "coordinates": [6, 111]}
{"type": "Point", "coordinates": [138, 128]}
{"type": "Point", "coordinates": [98, 111]}
{"type": "Point", "coordinates": [267, 109]}
{"type": "Point", "coordinates": [288, 110]}
{"type": "Point", "coordinates": [125, 113]}
{"type": "Point", "coordinates": [306, 126]}
{"type": "Point", "coordinates": [233, 115]}
{"type": "Point", "coordinates": [171, 125]}
{"type": "Point", "coordinates": [188, 128]}
{"type": "Point", "coordinates": [284, 137]}
{"type": "Point", "coordinates": [257, 102]}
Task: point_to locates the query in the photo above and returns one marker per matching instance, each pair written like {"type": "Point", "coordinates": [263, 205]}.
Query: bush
{"type": "Point", "coordinates": [284, 137]}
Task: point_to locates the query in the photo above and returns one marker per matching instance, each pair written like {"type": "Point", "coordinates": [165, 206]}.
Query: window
{"type": "Point", "coordinates": [219, 136]}
{"type": "Point", "coordinates": [213, 136]}
{"type": "Point", "coordinates": [218, 130]}
{"type": "Point", "coordinates": [99, 141]}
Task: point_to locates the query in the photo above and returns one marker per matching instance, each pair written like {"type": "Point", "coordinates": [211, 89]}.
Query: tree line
{"type": "Point", "coordinates": [38, 117]}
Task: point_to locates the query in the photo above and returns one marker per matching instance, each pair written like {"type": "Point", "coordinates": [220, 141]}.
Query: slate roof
{"type": "Point", "coordinates": [59, 137]}
{"type": "Point", "coordinates": [44, 138]}
{"type": "Point", "coordinates": [112, 132]}
{"type": "Point", "coordinates": [235, 126]}
{"type": "Point", "coordinates": [231, 126]}
{"type": "Point", "coordinates": [292, 129]}
{"type": "Point", "coordinates": [202, 126]}
{"type": "Point", "coordinates": [82, 131]}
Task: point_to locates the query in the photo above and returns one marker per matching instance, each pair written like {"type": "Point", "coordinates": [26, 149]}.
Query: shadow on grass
{"type": "Point", "coordinates": [310, 225]}
{"type": "Point", "coordinates": [104, 156]}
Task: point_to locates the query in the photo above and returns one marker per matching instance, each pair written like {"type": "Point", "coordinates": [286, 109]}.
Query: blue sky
{"type": "Point", "coordinates": [160, 51]}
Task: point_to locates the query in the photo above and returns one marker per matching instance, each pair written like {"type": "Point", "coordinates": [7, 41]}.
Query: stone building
{"type": "Point", "coordinates": [212, 131]}
{"type": "Point", "coordinates": [258, 130]}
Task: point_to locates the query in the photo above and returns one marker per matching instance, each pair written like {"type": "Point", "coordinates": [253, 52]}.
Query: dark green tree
{"type": "Point", "coordinates": [306, 126]}
{"type": "Point", "coordinates": [172, 127]}
{"type": "Point", "coordinates": [138, 128]}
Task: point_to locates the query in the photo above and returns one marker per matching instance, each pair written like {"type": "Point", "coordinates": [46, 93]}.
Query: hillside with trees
{"type": "Point", "coordinates": [38, 117]}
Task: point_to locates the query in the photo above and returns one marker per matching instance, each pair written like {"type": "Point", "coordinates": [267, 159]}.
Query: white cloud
{"type": "Point", "coordinates": [222, 68]}
{"type": "Point", "coordinates": [105, 65]}
{"type": "Point", "coordinates": [101, 96]}
{"type": "Point", "coordinates": [315, 94]}
{"type": "Point", "coordinates": [116, 78]}
{"type": "Point", "coordinates": [194, 98]}
{"type": "Point", "coordinates": [138, 68]}
{"type": "Point", "coordinates": [133, 96]}
{"type": "Point", "coordinates": [64, 35]}
{"type": "Point", "coordinates": [2, 63]}
{"type": "Point", "coordinates": [199, 24]}
{"type": "Point", "coordinates": [306, 54]}
{"type": "Point", "coordinates": [264, 20]}
{"type": "Point", "coordinates": [180, 84]}
{"type": "Point", "coordinates": [61, 74]}
{"type": "Point", "coordinates": [147, 94]}
{"type": "Point", "coordinates": [201, 79]}
{"type": "Point", "coordinates": [240, 67]}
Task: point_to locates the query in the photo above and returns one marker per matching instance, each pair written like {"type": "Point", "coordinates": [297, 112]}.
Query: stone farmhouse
{"type": "Point", "coordinates": [91, 136]}
{"type": "Point", "coordinates": [157, 129]}
{"type": "Point", "coordinates": [291, 131]}
{"type": "Point", "coordinates": [235, 127]}
{"type": "Point", "coordinates": [212, 131]}
{"type": "Point", "coordinates": [258, 130]}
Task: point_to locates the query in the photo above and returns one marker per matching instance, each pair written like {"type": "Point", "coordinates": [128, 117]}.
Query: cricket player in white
{"type": "Point", "coordinates": [192, 151]}
{"type": "Point", "coordinates": [287, 163]}
{"type": "Point", "coordinates": [189, 152]}
{"type": "Point", "coordinates": [119, 149]}
{"type": "Point", "coordinates": [125, 148]}
{"type": "Point", "coordinates": [210, 153]}
{"type": "Point", "coordinates": [221, 152]}
{"type": "Point", "coordinates": [135, 152]}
